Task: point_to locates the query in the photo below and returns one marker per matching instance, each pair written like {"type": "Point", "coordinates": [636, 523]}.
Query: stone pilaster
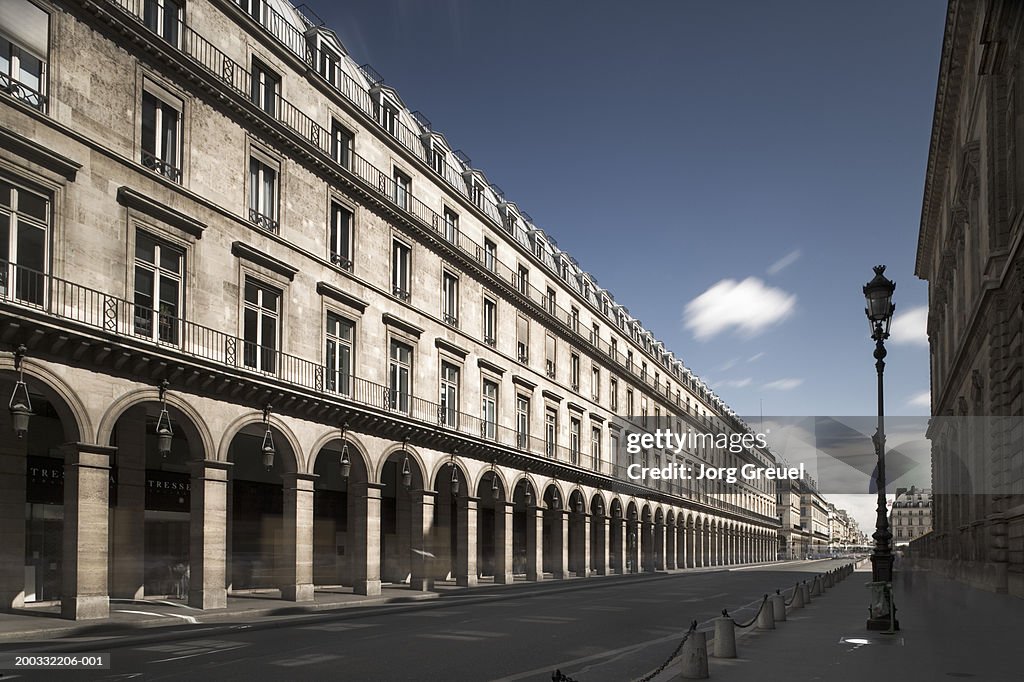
{"type": "Point", "coordinates": [208, 534]}
{"type": "Point", "coordinates": [86, 552]}
{"type": "Point", "coordinates": [420, 540]}
{"type": "Point", "coordinates": [13, 468]}
{"type": "Point", "coordinates": [534, 543]}
{"type": "Point", "coordinates": [671, 553]}
{"type": "Point", "coordinates": [297, 573]}
{"type": "Point", "coordinates": [364, 527]}
{"type": "Point", "coordinates": [465, 559]}
{"type": "Point", "coordinates": [502, 543]}
{"type": "Point", "coordinates": [128, 535]}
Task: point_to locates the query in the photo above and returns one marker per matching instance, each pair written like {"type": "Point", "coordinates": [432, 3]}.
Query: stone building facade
{"type": "Point", "coordinates": [910, 516]}
{"type": "Point", "coordinates": [970, 252]}
{"type": "Point", "coordinates": [274, 334]}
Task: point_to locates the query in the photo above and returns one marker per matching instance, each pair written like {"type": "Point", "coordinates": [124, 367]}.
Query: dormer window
{"type": "Point", "coordinates": [476, 192]}
{"type": "Point", "coordinates": [389, 117]}
{"type": "Point", "coordinates": [510, 223]}
{"type": "Point", "coordinates": [328, 64]}
{"type": "Point", "coordinates": [437, 160]}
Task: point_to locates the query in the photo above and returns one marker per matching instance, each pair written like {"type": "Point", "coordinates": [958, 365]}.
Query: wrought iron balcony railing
{"type": "Point", "coordinates": [22, 92]}
{"type": "Point", "coordinates": [162, 167]}
{"type": "Point", "coordinates": [60, 299]}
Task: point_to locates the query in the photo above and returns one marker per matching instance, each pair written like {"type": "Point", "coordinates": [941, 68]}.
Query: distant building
{"type": "Point", "coordinates": [971, 252]}
{"type": "Point", "coordinates": [911, 514]}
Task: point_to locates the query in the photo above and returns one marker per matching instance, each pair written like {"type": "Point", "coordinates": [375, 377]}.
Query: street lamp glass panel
{"type": "Point", "coordinates": [878, 293]}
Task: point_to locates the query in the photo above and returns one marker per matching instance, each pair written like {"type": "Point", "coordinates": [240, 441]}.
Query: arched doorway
{"type": "Point", "coordinates": [599, 530]}
{"type": "Point", "coordinates": [579, 535]}
{"type": "Point", "coordinates": [341, 474]}
{"type": "Point", "coordinates": [647, 540]}
{"type": "Point", "coordinates": [632, 538]}
{"type": "Point", "coordinates": [494, 529]}
{"type": "Point", "coordinates": [526, 532]}
{"type": "Point", "coordinates": [33, 497]}
{"type": "Point", "coordinates": [455, 517]}
{"type": "Point", "coordinates": [556, 549]}
{"type": "Point", "coordinates": [260, 542]}
{"type": "Point", "coordinates": [658, 546]}
{"type": "Point", "coordinates": [617, 539]}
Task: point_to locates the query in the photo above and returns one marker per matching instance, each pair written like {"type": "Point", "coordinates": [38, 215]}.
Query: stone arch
{"type": "Point", "coordinates": [249, 418]}
{"type": "Point", "coordinates": [69, 407]}
{"type": "Point", "coordinates": [417, 467]}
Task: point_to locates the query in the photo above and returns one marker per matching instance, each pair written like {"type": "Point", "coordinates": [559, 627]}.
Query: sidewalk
{"type": "Point", "coordinates": [163, 619]}
{"type": "Point", "coordinates": [947, 631]}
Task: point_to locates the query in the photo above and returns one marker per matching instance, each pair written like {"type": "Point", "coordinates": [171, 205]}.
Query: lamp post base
{"type": "Point", "coordinates": [882, 611]}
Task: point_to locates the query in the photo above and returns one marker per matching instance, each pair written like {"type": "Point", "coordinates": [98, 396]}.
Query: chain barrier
{"type": "Point", "coordinates": [652, 675]}
{"type": "Point", "coordinates": [796, 588]}
{"type": "Point", "coordinates": [753, 620]}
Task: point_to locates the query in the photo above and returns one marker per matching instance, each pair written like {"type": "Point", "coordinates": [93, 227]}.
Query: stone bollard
{"type": "Point", "coordinates": [725, 637]}
{"type": "Point", "coordinates": [826, 582]}
{"type": "Point", "coordinates": [778, 603]}
{"type": "Point", "coordinates": [805, 590]}
{"type": "Point", "coordinates": [798, 596]}
{"type": "Point", "coordinates": [766, 618]}
{"type": "Point", "coordinates": [816, 587]}
{"type": "Point", "coordinates": [695, 657]}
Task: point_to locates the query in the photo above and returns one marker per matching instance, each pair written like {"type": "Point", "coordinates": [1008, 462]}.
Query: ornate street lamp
{"type": "Point", "coordinates": [495, 489]}
{"type": "Point", "coordinates": [20, 405]}
{"type": "Point", "coordinates": [346, 462]}
{"type": "Point", "coordinates": [164, 432]}
{"type": "Point", "coordinates": [455, 476]}
{"type": "Point", "coordinates": [268, 441]}
{"type": "Point", "coordinates": [406, 468]}
{"type": "Point", "coordinates": [555, 502]}
{"type": "Point", "coordinates": [878, 294]}
{"type": "Point", "coordinates": [528, 495]}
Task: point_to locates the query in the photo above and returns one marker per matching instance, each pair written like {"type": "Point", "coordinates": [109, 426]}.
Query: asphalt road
{"type": "Point", "coordinates": [616, 631]}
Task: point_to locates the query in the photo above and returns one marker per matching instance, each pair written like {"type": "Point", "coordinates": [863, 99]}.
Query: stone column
{"type": "Point", "coordinates": [502, 543]}
{"type": "Point", "coordinates": [13, 469]}
{"type": "Point", "coordinates": [647, 546]}
{"type": "Point", "coordinates": [670, 546]}
{"type": "Point", "coordinates": [86, 508]}
{"type": "Point", "coordinates": [616, 544]}
{"type": "Point", "coordinates": [534, 543]}
{"type": "Point", "coordinates": [659, 547]}
{"type": "Point", "coordinates": [465, 560]}
{"type": "Point", "coordinates": [297, 578]}
{"type": "Point", "coordinates": [559, 543]}
{"type": "Point", "coordinates": [633, 553]}
{"type": "Point", "coordinates": [420, 543]}
{"type": "Point", "coordinates": [599, 544]}
{"type": "Point", "coordinates": [583, 564]}
{"type": "Point", "coordinates": [208, 534]}
{"type": "Point", "coordinates": [128, 535]}
{"type": "Point", "coordinates": [365, 533]}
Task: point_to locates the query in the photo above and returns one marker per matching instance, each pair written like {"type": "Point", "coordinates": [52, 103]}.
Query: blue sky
{"type": "Point", "coordinates": [731, 171]}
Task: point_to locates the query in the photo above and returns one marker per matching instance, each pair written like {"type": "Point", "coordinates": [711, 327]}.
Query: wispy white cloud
{"type": "Point", "coordinates": [734, 383]}
{"type": "Point", "coordinates": [755, 357]}
{"type": "Point", "coordinates": [783, 384]}
{"type": "Point", "coordinates": [749, 306]}
{"type": "Point", "coordinates": [784, 262]}
{"type": "Point", "coordinates": [910, 327]}
{"type": "Point", "coordinates": [922, 399]}
{"type": "Point", "coordinates": [729, 365]}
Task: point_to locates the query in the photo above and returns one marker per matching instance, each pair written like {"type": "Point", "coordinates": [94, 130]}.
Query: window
{"type": "Point", "coordinates": [389, 117]}
{"type": "Point", "coordinates": [574, 440]}
{"type": "Point", "coordinates": [342, 141]}
{"type": "Point", "coordinates": [490, 322]}
{"type": "Point", "coordinates": [158, 272]}
{"type": "Point", "coordinates": [477, 193]}
{"type": "Point", "coordinates": [523, 280]}
{"type": "Point", "coordinates": [449, 395]}
{"type": "Point", "coordinates": [549, 301]}
{"type": "Point", "coordinates": [340, 338]}
{"type": "Point", "coordinates": [162, 17]}
{"type": "Point", "coordinates": [629, 360]}
{"type": "Point", "coordinates": [629, 403]}
{"type": "Point", "coordinates": [522, 421]}
{"type": "Point", "coordinates": [401, 259]}
{"type": "Point", "coordinates": [328, 64]}
{"type": "Point", "coordinates": [266, 87]}
{"type": "Point", "coordinates": [402, 184]}
{"type": "Point", "coordinates": [595, 334]}
{"type": "Point", "coordinates": [399, 376]}
{"type": "Point", "coordinates": [24, 219]}
{"type": "Point", "coordinates": [613, 445]}
{"type": "Point", "coordinates": [263, 195]}
{"type": "Point", "coordinates": [550, 430]}
{"type": "Point", "coordinates": [613, 393]}
{"type": "Point", "coordinates": [490, 255]}
{"type": "Point", "coordinates": [489, 410]}
{"type": "Point", "coordinates": [574, 371]}
{"type": "Point", "coordinates": [450, 299]}
{"type": "Point", "coordinates": [595, 447]}
{"type": "Point", "coordinates": [437, 160]}
{"type": "Point", "coordinates": [340, 238]}
{"type": "Point", "coordinates": [643, 371]}
{"type": "Point", "coordinates": [574, 319]}
{"type": "Point", "coordinates": [24, 45]}
{"type": "Point", "coordinates": [161, 136]}
{"type": "Point", "coordinates": [595, 383]}
{"type": "Point", "coordinates": [260, 326]}
{"type": "Point", "coordinates": [451, 225]}
{"type": "Point", "coordinates": [549, 356]}
{"type": "Point", "coordinates": [522, 339]}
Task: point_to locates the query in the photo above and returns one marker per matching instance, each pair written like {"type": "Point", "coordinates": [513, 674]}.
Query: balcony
{"type": "Point", "coordinates": [341, 262]}
{"type": "Point", "coordinates": [451, 320]}
{"type": "Point", "coordinates": [262, 221]}
{"type": "Point", "coordinates": [400, 293]}
{"type": "Point", "coordinates": [162, 167]}
{"type": "Point", "coordinates": [22, 92]}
